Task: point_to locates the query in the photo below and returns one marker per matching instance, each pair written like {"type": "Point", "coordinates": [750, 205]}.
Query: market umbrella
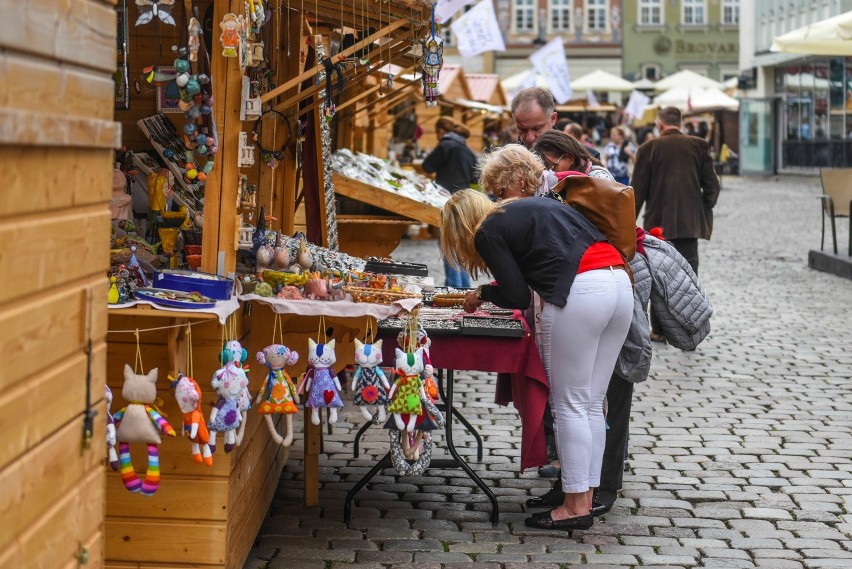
{"type": "Point", "coordinates": [826, 37]}
{"type": "Point", "coordinates": [643, 84]}
{"type": "Point", "coordinates": [601, 80]}
{"type": "Point", "coordinates": [696, 99]}
{"type": "Point", "coordinates": [686, 78]}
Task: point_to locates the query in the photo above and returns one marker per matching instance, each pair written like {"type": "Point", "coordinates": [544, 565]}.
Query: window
{"type": "Point", "coordinates": [596, 11]}
{"type": "Point", "coordinates": [651, 71]}
{"type": "Point", "coordinates": [730, 12]}
{"type": "Point", "coordinates": [694, 13]}
{"type": "Point", "coordinates": [524, 16]}
{"type": "Point", "coordinates": [650, 12]}
{"type": "Point", "coordinates": [560, 15]}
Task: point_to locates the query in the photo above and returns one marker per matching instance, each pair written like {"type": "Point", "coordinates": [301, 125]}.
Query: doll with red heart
{"type": "Point", "coordinates": [320, 382]}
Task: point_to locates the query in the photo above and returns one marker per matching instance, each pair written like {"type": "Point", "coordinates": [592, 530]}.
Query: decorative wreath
{"type": "Point", "coordinates": [404, 466]}
{"type": "Point", "coordinates": [257, 132]}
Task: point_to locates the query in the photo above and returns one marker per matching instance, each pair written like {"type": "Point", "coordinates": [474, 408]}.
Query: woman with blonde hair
{"type": "Point", "coordinates": [454, 165]}
{"type": "Point", "coordinates": [541, 244]}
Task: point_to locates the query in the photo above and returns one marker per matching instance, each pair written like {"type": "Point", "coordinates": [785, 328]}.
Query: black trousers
{"type": "Point", "coordinates": [688, 248]}
{"type": "Point", "coordinates": [619, 396]}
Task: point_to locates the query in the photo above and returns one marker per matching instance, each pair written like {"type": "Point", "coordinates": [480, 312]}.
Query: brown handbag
{"type": "Point", "coordinates": [609, 205]}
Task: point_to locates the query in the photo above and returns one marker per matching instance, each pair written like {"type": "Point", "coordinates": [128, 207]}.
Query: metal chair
{"type": "Point", "coordinates": [836, 201]}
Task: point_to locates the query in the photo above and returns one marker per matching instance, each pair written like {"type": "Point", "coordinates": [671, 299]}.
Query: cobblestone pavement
{"type": "Point", "coordinates": [740, 452]}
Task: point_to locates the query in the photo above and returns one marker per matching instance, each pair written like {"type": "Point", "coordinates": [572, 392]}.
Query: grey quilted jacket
{"type": "Point", "coordinates": [677, 297]}
{"type": "Point", "coordinates": [634, 360]}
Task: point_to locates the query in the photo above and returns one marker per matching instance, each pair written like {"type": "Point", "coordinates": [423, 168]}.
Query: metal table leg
{"type": "Point", "coordinates": [457, 414]}
{"type": "Point", "coordinates": [383, 463]}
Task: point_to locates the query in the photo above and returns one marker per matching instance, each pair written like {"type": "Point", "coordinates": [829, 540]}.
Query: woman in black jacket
{"type": "Point", "coordinates": [453, 164]}
{"type": "Point", "coordinates": [541, 244]}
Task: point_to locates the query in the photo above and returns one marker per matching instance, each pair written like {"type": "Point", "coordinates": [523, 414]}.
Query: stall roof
{"type": "Point", "coordinates": [453, 83]}
{"type": "Point", "coordinates": [486, 88]}
{"type": "Point", "coordinates": [476, 105]}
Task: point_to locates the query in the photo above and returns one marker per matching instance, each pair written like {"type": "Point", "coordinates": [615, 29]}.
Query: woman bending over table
{"type": "Point", "coordinates": [588, 303]}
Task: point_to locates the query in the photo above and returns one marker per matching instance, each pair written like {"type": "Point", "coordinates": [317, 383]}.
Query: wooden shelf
{"type": "Point", "coordinates": [148, 310]}
{"type": "Point", "coordinates": [388, 200]}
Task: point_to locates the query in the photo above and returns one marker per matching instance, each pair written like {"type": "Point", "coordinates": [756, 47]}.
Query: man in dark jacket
{"type": "Point", "coordinates": [674, 179]}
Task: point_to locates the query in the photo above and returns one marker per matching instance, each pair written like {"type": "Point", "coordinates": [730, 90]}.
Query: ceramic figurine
{"type": "Point", "coordinates": [150, 10]}
{"type": "Point", "coordinates": [231, 25]}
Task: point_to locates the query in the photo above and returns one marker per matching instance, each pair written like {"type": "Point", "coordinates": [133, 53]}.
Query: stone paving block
{"type": "Point", "coordinates": [279, 563]}
{"type": "Point", "coordinates": [255, 563]}
{"type": "Point", "coordinates": [347, 556]}
{"type": "Point", "coordinates": [383, 557]}
{"type": "Point", "coordinates": [441, 557]}
{"type": "Point", "coordinates": [391, 534]}
{"type": "Point", "coordinates": [767, 514]}
{"type": "Point", "coordinates": [681, 561]}
{"type": "Point", "coordinates": [610, 559]}
{"type": "Point", "coordinates": [560, 558]}
{"type": "Point", "coordinates": [473, 547]}
{"type": "Point", "coordinates": [530, 565]}
{"type": "Point", "coordinates": [722, 562]}
{"type": "Point", "coordinates": [797, 543]}
{"type": "Point", "coordinates": [472, 565]}
{"type": "Point", "coordinates": [778, 564]}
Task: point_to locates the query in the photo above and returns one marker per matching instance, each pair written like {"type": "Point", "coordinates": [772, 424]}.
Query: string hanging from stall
{"type": "Point", "coordinates": [432, 62]}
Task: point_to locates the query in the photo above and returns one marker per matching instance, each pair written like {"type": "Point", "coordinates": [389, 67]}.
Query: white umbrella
{"type": "Point", "coordinates": [686, 78]}
{"type": "Point", "coordinates": [601, 80]}
{"type": "Point", "coordinates": [826, 37]}
{"type": "Point", "coordinates": [696, 99]}
{"type": "Point", "coordinates": [643, 84]}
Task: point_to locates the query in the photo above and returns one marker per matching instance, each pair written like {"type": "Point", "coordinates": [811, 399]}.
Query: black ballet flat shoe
{"type": "Point", "coordinates": [550, 499]}
{"type": "Point", "coordinates": [543, 520]}
{"type": "Point", "coordinates": [549, 471]}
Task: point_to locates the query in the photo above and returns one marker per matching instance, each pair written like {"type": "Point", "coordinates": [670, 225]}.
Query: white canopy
{"type": "Point", "coordinates": [827, 37]}
{"type": "Point", "coordinates": [518, 81]}
{"type": "Point", "coordinates": [601, 80]}
{"type": "Point", "coordinates": [686, 78]}
{"type": "Point", "coordinates": [643, 84]}
{"type": "Point", "coordinates": [696, 99]}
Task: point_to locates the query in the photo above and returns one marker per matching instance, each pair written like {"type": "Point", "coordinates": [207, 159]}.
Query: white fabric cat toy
{"type": "Point", "coordinates": [320, 381]}
{"type": "Point", "coordinates": [407, 392]}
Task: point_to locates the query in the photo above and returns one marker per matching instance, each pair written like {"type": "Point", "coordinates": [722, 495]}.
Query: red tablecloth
{"type": "Point", "coordinates": [521, 377]}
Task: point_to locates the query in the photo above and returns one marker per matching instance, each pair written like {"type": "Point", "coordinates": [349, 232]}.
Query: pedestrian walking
{"type": "Point", "coordinates": [675, 182]}
{"type": "Point", "coordinates": [619, 153]}
{"type": "Point", "coordinates": [454, 166]}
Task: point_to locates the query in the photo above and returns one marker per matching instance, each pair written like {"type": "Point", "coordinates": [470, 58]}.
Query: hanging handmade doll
{"type": "Point", "coordinates": [422, 341]}
{"type": "Point", "coordinates": [140, 422]}
{"type": "Point", "coordinates": [231, 384]}
{"type": "Point", "coordinates": [407, 391]}
{"type": "Point", "coordinates": [188, 396]}
{"type": "Point", "coordinates": [320, 381]}
{"type": "Point", "coordinates": [231, 26]}
{"type": "Point", "coordinates": [278, 392]}
{"type": "Point", "coordinates": [110, 430]}
{"type": "Point", "coordinates": [369, 383]}
{"type": "Point", "coordinates": [432, 62]}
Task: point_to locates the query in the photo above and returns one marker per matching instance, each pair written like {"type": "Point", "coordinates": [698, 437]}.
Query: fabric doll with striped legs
{"type": "Point", "coordinates": [140, 422]}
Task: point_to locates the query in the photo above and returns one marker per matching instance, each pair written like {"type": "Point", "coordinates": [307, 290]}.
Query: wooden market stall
{"type": "Point", "coordinates": [208, 516]}
{"type": "Point", "coordinates": [56, 141]}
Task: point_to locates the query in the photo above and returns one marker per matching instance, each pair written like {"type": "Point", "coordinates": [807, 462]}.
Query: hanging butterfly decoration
{"type": "Point", "coordinates": [149, 10]}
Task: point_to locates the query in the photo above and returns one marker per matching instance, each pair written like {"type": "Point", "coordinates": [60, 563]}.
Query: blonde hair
{"type": "Point", "coordinates": [512, 167]}
{"type": "Point", "coordinates": [460, 218]}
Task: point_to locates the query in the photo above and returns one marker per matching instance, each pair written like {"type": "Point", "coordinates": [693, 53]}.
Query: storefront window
{"type": "Point", "coordinates": [836, 98]}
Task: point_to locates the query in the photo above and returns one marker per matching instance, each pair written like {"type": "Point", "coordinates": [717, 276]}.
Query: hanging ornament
{"type": "Point", "coordinates": [158, 9]}
{"type": "Point", "coordinates": [432, 62]}
{"type": "Point", "coordinates": [194, 38]}
{"type": "Point", "coordinates": [231, 26]}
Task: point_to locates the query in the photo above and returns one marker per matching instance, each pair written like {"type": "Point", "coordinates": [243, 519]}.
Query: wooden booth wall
{"type": "Point", "coordinates": [56, 143]}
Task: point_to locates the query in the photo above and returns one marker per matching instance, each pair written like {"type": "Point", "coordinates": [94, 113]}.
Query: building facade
{"type": "Point", "coordinates": [662, 37]}
{"type": "Point", "coordinates": [590, 29]}
{"type": "Point", "coordinates": [795, 110]}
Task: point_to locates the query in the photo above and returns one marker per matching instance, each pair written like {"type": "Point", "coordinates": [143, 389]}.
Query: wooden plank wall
{"type": "Point", "coordinates": [56, 141]}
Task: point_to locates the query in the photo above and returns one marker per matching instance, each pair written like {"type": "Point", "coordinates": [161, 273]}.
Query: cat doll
{"type": "Point", "coordinates": [320, 382]}
{"type": "Point", "coordinates": [369, 383]}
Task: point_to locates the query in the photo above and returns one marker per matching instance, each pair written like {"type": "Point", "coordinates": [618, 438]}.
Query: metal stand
{"type": "Point", "coordinates": [456, 462]}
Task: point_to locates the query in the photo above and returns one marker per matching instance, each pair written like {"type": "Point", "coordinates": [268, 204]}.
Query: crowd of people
{"type": "Point", "coordinates": [587, 302]}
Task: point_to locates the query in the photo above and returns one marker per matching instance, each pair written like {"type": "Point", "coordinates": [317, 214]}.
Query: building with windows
{"type": "Point", "coordinates": [795, 110]}
{"type": "Point", "coordinates": [590, 29]}
{"type": "Point", "coordinates": [662, 37]}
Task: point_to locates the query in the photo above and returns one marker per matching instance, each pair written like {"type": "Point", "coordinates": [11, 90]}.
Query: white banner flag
{"type": "Point", "coordinates": [590, 97]}
{"type": "Point", "coordinates": [446, 9]}
{"type": "Point", "coordinates": [635, 106]}
{"type": "Point", "coordinates": [550, 61]}
{"type": "Point", "coordinates": [477, 31]}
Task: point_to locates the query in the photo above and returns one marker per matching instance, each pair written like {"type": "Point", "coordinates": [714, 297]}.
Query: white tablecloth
{"type": "Point", "coordinates": [223, 308]}
{"type": "Point", "coordinates": [339, 308]}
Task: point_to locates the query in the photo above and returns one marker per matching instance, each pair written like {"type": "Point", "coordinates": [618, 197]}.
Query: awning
{"type": "Point", "coordinates": [476, 105]}
{"type": "Point", "coordinates": [600, 80]}
{"type": "Point", "coordinates": [696, 100]}
{"type": "Point", "coordinates": [826, 37]}
{"type": "Point", "coordinates": [686, 78]}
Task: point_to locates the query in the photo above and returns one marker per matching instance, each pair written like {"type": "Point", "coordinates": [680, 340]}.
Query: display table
{"type": "Point", "coordinates": [522, 380]}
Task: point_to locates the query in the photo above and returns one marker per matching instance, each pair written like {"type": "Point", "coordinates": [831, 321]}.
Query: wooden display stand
{"type": "Point", "coordinates": [200, 516]}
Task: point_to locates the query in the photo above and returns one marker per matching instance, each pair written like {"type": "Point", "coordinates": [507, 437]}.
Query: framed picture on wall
{"type": "Point", "coordinates": [168, 95]}
{"type": "Point", "coordinates": [122, 87]}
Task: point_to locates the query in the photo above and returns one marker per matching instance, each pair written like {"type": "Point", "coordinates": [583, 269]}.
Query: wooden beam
{"type": "Point", "coordinates": [312, 72]}
{"type": "Point", "coordinates": [348, 79]}
{"type": "Point", "coordinates": [358, 97]}
{"type": "Point", "coordinates": [389, 102]}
